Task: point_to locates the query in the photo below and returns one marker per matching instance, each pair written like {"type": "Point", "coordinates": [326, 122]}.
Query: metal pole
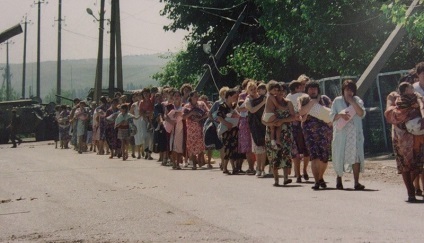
{"type": "Point", "coordinates": [112, 49]}
{"type": "Point", "coordinates": [24, 58]}
{"type": "Point", "coordinates": [99, 68]}
{"type": "Point", "coordinates": [59, 55]}
{"type": "Point", "coordinates": [120, 77]}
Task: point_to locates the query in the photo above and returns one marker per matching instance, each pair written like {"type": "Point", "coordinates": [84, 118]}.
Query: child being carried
{"type": "Point", "coordinates": [272, 111]}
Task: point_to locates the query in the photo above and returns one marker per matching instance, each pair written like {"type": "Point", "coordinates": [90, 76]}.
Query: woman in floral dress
{"type": "Point", "coordinates": [195, 113]}
{"type": "Point", "coordinates": [280, 157]}
{"type": "Point", "coordinates": [111, 132]}
{"type": "Point", "coordinates": [230, 137]}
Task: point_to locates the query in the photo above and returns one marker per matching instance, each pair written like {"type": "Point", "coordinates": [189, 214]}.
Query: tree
{"type": "Point", "coordinates": [283, 39]}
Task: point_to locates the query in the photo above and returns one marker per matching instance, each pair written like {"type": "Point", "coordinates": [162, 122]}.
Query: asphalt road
{"type": "Point", "coordinates": [54, 195]}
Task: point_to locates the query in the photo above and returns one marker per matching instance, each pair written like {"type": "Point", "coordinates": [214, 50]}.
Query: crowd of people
{"type": "Point", "coordinates": [271, 123]}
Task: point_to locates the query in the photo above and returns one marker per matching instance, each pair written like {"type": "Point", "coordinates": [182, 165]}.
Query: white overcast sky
{"type": "Point", "coordinates": [141, 27]}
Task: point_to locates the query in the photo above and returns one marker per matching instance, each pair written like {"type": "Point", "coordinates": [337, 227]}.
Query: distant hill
{"type": "Point", "coordinates": [79, 75]}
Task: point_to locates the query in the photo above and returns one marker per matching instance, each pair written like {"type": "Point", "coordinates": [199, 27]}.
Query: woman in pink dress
{"type": "Point", "coordinates": [195, 113]}
{"type": "Point", "coordinates": [176, 140]}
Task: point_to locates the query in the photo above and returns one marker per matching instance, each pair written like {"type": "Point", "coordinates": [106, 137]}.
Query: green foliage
{"type": "Point", "coordinates": [182, 67]}
{"type": "Point", "coordinates": [396, 12]}
{"type": "Point", "coordinates": [283, 39]}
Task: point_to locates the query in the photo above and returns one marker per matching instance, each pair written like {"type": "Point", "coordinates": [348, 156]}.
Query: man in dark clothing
{"type": "Point", "coordinates": [15, 122]}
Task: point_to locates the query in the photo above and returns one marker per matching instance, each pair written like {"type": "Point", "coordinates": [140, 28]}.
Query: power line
{"type": "Point", "coordinates": [211, 8]}
{"type": "Point", "coordinates": [227, 18]}
{"type": "Point", "coordinates": [124, 44]}
{"type": "Point", "coordinates": [348, 24]}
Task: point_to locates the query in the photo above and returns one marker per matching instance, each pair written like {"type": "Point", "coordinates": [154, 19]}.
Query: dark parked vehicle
{"type": "Point", "coordinates": [36, 119]}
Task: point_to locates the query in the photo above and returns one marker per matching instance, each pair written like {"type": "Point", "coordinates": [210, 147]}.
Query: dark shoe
{"type": "Point", "coordinates": [339, 184]}
{"type": "Point", "coordinates": [14, 146]}
{"type": "Point", "coordinates": [306, 177]}
{"type": "Point", "coordinates": [138, 157]}
{"type": "Point", "coordinates": [226, 172]}
{"type": "Point", "coordinates": [418, 192]}
{"type": "Point", "coordinates": [316, 186]}
{"type": "Point", "coordinates": [80, 152]}
{"type": "Point", "coordinates": [19, 142]}
{"type": "Point", "coordinates": [133, 155]}
{"type": "Point", "coordinates": [411, 199]}
{"type": "Point", "coordinates": [359, 187]}
{"type": "Point", "coordinates": [299, 179]}
{"type": "Point", "coordinates": [322, 184]}
{"type": "Point", "coordinates": [287, 181]}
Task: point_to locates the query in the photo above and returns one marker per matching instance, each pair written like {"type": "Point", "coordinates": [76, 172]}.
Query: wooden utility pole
{"type": "Point", "coordinates": [99, 68]}
{"type": "Point", "coordinates": [112, 49]}
{"type": "Point", "coordinates": [38, 46]}
{"type": "Point", "coordinates": [120, 76]}
{"type": "Point", "coordinates": [369, 75]}
{"type": "Point", "coordinates": [59, 54]}
{"type": "Point", "coordinates": [24, 57]}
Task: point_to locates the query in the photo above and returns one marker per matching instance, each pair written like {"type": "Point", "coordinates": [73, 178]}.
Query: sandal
{"type": "Point", "coordinates": [359, 187]}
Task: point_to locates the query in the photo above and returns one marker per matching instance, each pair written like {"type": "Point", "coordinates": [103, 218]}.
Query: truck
{"type": "Point", "coordinates": [37, 120]}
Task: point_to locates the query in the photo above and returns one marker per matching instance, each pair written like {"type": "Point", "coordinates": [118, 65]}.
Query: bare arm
{"type": "Point", "coordinates": [304, 110]}
{"type": "Point", "coordinates": [254, 109]}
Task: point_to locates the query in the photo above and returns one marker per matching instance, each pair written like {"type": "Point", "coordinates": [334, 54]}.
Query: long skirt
{"type": "Point", "coordinates": [176, 141]}
{"type": "Point", "coordinates": [160, 140]}
{"type": "Point", "coordinates": [409, 151]}
{"type": "Point", "coordinates": [64, 133]}
{"type": "Point", "coordinates": [146, 135]}
{"type": "Point", "coordinates": [244, 136]}
{"type": "Point", "coordinates": [112, 137]}
{"type": "Point", "coordinates": [280, 157]}
{"type": "Point", "coordinates": [230, 140]}
{"type": "Point", "coordinates": [195, 144]}
{"type": "Point", "coordinates": [318, 136]}
{"type": "Point", "coordinates": [138, 137]}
